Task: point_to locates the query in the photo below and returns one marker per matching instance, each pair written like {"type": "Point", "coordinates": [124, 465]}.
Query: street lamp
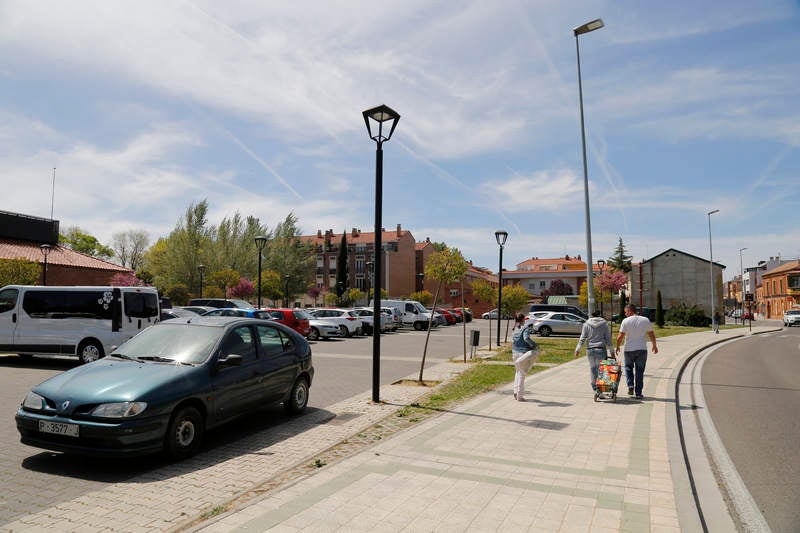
{"type": "Point", "coordinates": [500, 236]}
{"type": "Point", "coordinates": [202, 269]}
{"type": "Point", "coordinates": [45, 248]}
{"type": "Point", "coordinates": [260, 242]}
{"type": "Point", "coordinates": [602, 264]}
{"type": "Point", "coordinates": [741, 277]}
{"type": "Point", "coordinates": [711, 271]}
{"type": "Point", "coordinates": [384, 119]}
{"type": "Point", "coordinates": [586, 28]}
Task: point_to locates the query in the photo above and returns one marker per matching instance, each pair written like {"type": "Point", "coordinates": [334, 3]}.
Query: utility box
{"type": "Point", "coordinates": [474, 337]}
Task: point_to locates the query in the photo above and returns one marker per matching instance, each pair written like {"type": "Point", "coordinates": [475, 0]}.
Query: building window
{"type": "Point", "coordinates": [360, 282]}
{"type": "Point", "coordinates": [793, 282]}
{"type": "Point", "coordinates": [454, 293]}
{"type": "Point", "coordinates": [320, 261]}
{"type": "Point", "coordinates": [542, 284]}
{"type": "Point", "coordinates": [531, 286]}
{"type": "Point", "coordinates": [331, 281]}
{"type": "Point", "coordinates": [360, 264]}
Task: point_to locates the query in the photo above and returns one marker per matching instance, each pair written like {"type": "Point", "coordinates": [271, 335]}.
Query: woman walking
{"type": "Point", "coordinates": [524, 352]}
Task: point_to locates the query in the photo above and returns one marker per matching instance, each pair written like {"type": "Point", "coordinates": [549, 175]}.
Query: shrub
{"type": "Point", "coordinates": [684, 315]}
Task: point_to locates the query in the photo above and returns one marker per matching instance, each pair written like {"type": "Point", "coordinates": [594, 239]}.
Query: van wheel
{"type": "Point", "coordinates": [89, 351]}
{"type": "Point", "coordinates": [298, 398]}
{"type": "Point", "coordinates": [418, 326]}
{"type": "Point", "coordinates": [184, 434]}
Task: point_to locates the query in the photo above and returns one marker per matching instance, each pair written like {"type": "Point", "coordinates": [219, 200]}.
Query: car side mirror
{"type": "Point", "coordinates": [230, 360]}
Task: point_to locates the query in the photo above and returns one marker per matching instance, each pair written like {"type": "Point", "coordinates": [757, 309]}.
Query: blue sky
{"type": "Point", "coordinates": [145, 107]}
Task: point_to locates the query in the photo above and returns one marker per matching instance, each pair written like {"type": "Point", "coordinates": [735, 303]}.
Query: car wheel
{"type": "Point", "coordinates": [344, 331]}
{"type": "Point", "coordinates": [545, 331]}
{"type": "Point", "coordinates": [89, 351]}
{"type": "Point", "coordinates": [418, 326]}
{"type": "Point", "coordinates": [298, 397]}
{"type": "Point", "coordinates": [313, 334]}
{"type": "Point", "coordinates": [184, 434]}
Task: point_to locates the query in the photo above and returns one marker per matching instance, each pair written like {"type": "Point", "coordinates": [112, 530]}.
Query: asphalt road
{"type": "Point", "coordinates": [752, 389]}
{"type": "Point", "coordinates": [34, 479]}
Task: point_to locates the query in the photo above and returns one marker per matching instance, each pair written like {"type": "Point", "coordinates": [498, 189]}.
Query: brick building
{"type": "Point", "coordinates": [780, 289]}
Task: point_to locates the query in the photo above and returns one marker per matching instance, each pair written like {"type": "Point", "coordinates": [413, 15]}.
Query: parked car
{"type": "Point", "coordinates": [412, 313]}
{"type": "Point", "coordinates": [467, 313]}
{"type": "Point", "coordinates": [492, 315]}
{"type": "Point", "coordinates": [235, 311]}
{"type": "Point", "coordinates": [197, 309]}
{"type": "Point", "coordinates": [457, 313]}
{"type": "Point", "coordinates": [438, 317]}
{"type": "Point", "coordinates": [175, 312]}
{"type": "Point", "coordinates": [536, 314]}
{"type": "Point", "coordinates": [367, 317]}
{"type": "Point", "coordinates": [297, 319]}
{"type": "Point", "coordinates": [564, 323]}
{"type": "Point", "coordinates": [393, 321]}
{"type": "Point", "coordinates": [322, 329]}
{"type": "Point", "coordinates": [221, 302]}
{"type": "Point", "coordinates": [560, 308]}
{"type": "Point", "coordinates": [448, 316]}
{"type": "Point", "coordinates": [791, 317]}
{"type": "Point", "coordinates": [165, 387]}
{"type": "Point", "coordinates": [348, 322]}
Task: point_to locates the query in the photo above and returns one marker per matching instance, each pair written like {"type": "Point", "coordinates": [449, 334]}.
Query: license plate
{"type": "Point", "coordinates": [71, 430]}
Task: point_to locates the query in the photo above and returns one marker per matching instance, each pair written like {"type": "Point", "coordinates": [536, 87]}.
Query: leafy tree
{"type": "Point", "coordinates": [659, 310]}
{"type": "Point", "coordinates": [557, 287]}
{"type": "Point", "coordinates": [125, 279]}
{"type": "Point", "coordinates": [484, 291]}
{"type": "Point", "coordinates": [19, 272]}
{"type": "Point", "coordinates": [446, 267]}
{"type": "Point", "coordinates": [178, 294]}
{"type": "Point", "coordinates": [355, 295]}
{"type": "Point", "coordinates": [582, 295]}
{"type": "Point", "coordinates": [224, 279]}
{"type": "Point", "coordinates": [342, 270]}
{"type": "Point", "coordinates": [623, 301]}
{"type": "Point", "coordinates": [313, 293]}
{"type": "Point", "coordinates": [515, 300]}
{"type": "Point", "coordinates": [271, 285]}
{"type": "Point", "coordinates": [286, 254]}
{"type": "Point", "coordinates": [685, 315]}
{"type": "Point", "coordinates": [330, 299]}
{"type": "Point", "coordinates": [145, 276]}
{"type": "Point", "coordinates": [129, 247]}
{"type": "Point", "coordinates": [77, 239]}
{"type": "Point", "coordinates": [424, 297]}
{"type": "Point", "coordinates": [244, 289]}
{"type": "Point", "coordinates": [620, 260]}
{"type": "Point", "coordinates": [233, 244]}
{"type": "Point", "coordinates": [439, 246]}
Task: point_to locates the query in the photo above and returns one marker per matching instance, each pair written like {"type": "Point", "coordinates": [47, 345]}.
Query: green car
{"type": "Point", "coordinates": [162, 389]}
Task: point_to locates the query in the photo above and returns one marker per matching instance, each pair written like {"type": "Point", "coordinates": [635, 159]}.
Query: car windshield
{"type": "Point", "coordinates": [182, 343]}
{"type": "Point", "coordinates": [793, 312]}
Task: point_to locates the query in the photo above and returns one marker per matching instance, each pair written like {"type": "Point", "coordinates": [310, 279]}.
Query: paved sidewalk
{"type": "Point", "coordinates": [557, 462]}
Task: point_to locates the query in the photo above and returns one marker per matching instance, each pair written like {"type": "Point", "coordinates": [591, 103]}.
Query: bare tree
{"type": "Point", "coordinates": [129, 247]}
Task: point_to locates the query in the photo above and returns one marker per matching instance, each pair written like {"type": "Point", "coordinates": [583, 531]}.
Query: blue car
{"type": "Point", "coordinates": [162, 389]}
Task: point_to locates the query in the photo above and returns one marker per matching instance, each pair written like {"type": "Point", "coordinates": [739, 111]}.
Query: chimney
{"type": "Point", "coordinates": [355, 232]}
{"type": "Point", "coordinates": [399, 228]}
{"type": "Point", "coordinates": [319, 234]}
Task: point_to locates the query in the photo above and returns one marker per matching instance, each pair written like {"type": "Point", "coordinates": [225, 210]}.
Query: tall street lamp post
{"type": "Point", "coordinates": [45, 248]}
{"type": "Point", "coordinates": [261, 240]}
{"type": "Point", "coordinates": [500, 236]}
{"type": "Point", "coordinates": [602, 264]}
{"type": "Point", "coordinates": [286, 278]}
{"type": "Point", "coordinates": [202, 269]}
{"type": "Point", "coordinates": [381, 122]}
{"type": "Point", "coordinates": [586, 28]}
{"type": "Point", "coordinates": [714, 324]}
{"type": "Point", "coordinates": [741, 277]}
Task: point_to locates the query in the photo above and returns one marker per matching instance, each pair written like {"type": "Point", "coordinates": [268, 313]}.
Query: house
{"type": "Point", "coordinates": [536, 275]}
{"type": "Point", "coordinates": [680, 277]}
{"type": "Point", "coordinates": [22, 237]}
{"type": "Point", "coordinates": [780, 289]}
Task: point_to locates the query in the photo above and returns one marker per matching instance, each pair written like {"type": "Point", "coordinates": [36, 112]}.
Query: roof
{"type": "Point", "coordinates": [59, 255]}
{"type": "Point", "coordinates": [561, 264]}
{"type": "Point", "coordinates": [788, 267]}
{"type": "Point", "coordinates": [353, 237]}
{"type": "Point", "coordinates": [682, 253]}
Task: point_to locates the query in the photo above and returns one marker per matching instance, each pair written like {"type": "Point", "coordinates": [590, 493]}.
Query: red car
{"type": "Point", "coordinates": [448, 316]}
{"type": "Point", "coordinates": [297, 319]}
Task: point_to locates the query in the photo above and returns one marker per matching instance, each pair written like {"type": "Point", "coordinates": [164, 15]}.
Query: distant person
{"type": "Point", "coordinates": [717, 320]}
{"type": "Point", "coordinates": [597, 335]}
{"type": "Point", "coordinates": [634, 330]}
{"type": "Point", "coordinates": [524, 352]}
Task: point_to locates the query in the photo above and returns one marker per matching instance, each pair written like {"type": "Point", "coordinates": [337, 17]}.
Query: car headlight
{"type": "Point", "coordinates": [33, 401]}
{"type": "Point", "coordinates": [119, 409]}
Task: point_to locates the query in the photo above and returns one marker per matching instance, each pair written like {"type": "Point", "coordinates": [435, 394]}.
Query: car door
{"type": "Point", "coordinates": [557, 323]}
{"type": "Point", "coordinates": [279, 361]}
{"type": "Point", "coordinates": [8, 318]}
{"type": "Point", "coordinates": [237, 388]}
{"type": "Point", "coordinates": [572, 324]}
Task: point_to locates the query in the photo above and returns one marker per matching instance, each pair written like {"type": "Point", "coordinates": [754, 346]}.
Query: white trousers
{"type": "Point", "coordinates": [522, 363]}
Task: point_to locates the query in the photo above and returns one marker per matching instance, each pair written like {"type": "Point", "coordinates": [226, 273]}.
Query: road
{"type": "Point", "coordinates": [35, 479]}
{"type": "Point", "coordinates": [752, 389]}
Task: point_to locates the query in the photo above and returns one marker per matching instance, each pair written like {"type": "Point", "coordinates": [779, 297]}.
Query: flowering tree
{"type": "Point", "coordinates": [244, 289]}
{"type": "Point", "coordinates": [126, 279]}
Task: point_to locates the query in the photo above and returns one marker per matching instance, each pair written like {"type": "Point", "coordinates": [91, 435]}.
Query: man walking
{"type": "Point", "coordinates": [597, 335]}
{"type": "Point", "coordinates": [634, 331]}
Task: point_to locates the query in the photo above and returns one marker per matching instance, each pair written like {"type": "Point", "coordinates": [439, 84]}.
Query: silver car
{"type": "Point", "coordinates": [564, 323]}
{"type": "Point", "coordinates": [791, 317]}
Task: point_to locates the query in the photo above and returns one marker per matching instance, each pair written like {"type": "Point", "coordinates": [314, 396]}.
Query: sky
{"type": "Point", "coordinates": [146, 107]}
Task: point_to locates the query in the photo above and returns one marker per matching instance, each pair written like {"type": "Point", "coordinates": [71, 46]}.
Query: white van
{"type": "Point", "coordinates": [412, 313]}
{"type": "Point", "coordinates": [82, 321]}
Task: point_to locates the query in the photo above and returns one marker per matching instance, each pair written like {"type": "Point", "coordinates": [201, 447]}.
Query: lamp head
{"type": "Point", "coordinates": [712, 212]}
{"type": "Point", "coordinates": [45, 249]}
{"type": "Point", "coordinates": [260, 242]}
{"type": "Point", "coordinates": [501, 236]}
{"type": "Point", "coordinates": [596, 24]}
{"type": "Point", "coordinates": [382, 118]}
{"type": "Point", "coordinates": [201, 268]}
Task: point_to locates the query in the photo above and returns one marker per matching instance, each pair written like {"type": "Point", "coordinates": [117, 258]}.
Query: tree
{"type": "Point", "coordinates": [313, 293]}
{"type": "Point", "coordinates": [659, 310]}
{"type": "Point", "coordinates": [19, 272]}
{"type": "Point", "coordinates": [446, 267]}
{"type": "Point", "coordinates": [271, 285]}
{"type": "Point", "coordinates": [244, 289]}
{"type": "Point", "coordinates": [557, 287]}
{"type": "Point", "coordinates": [623, 301]}
{"type": "Point", "coordinates": [620, 260]}
{"type": "Point", "coordinates": [178, 294]}
{"type": "Point", "coordinates": [342, 272]}
{"type": "Point", "coordinates": [582, 295]}
{"type": "Point", "coordinates": [515, 299]}
{"type": "Point", "coordinates": [77, 239]}
{"type": "Point", "coordinates": [424, 297]}
{"type": "Point", "coordinates": [355, 294]}
{"type": "Point", "coordinates": [286, 254]}
{"type": "Point", "coordinates": [330, 299]}
{"type": "Point", "coordinates": [125, 279]}
{"type": "Point", "coordinates": [224, 279]}
{"type": "Point", "coordinates": [129, 247]}
{"type": "Point", "coordinates": [484, 291]}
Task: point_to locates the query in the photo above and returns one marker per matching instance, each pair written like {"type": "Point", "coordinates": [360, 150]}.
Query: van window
{"type": "Point", "coordinates": [68, 304]}
{"type": "Point", "coordinates": [140, 305]}
{"type": "Point", "coordinates": [8, 299]}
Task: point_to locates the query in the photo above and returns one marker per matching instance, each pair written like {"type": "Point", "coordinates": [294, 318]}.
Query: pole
{"type": "Point", "coordinates": [259, 279]}
{"type": "Point", "coordinates": [499, 295]}
{"type": "Point", "coordinates": [589, 280]}
{"type": "Point", "coordinates": [53, 194]}
{"type": "Point", "coordinates": [711, 272]}
{"type": "Point", "coordinates": [44, 273]}
{"type": "Point", "coordinates": [376, 281]}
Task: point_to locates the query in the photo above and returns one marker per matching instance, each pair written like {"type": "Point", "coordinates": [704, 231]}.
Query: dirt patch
{"type": "Point", "coordinates": [416, 383]}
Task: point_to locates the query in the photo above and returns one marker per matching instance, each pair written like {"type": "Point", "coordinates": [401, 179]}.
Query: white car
{"type": "Point", "coordinates": [322, 329]}
{"type": "Point", "coordinates": [393, 320]}
{"type": "Point", "coordinates": [366, 316]}
{"type": "Point", "coordinates": [791, 317]}
{"type": "Point", "coordinates": [348, 322]}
